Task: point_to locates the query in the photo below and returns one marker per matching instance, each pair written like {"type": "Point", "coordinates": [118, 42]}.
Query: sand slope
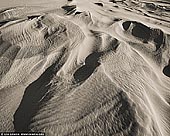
{"type": "Point", "coordinates": [86, 68]}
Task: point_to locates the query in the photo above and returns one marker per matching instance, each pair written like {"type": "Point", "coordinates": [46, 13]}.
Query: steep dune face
{"type": "Point", "coordinates": [86, 68]}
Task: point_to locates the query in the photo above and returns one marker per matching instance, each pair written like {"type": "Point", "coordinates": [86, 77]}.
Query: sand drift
{"type": "Point", "coordinates": [86, 68]}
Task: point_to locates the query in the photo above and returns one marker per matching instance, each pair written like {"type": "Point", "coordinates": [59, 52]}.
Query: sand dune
{"type": "Point", "coordinates": [85, 68]}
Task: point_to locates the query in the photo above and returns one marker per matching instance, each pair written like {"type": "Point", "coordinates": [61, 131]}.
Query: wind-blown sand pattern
{"type": "Point", "coordinates": [85, 67]}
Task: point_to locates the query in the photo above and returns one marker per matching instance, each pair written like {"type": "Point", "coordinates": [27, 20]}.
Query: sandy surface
{"type": "Point", "coordinates": [85, 67]}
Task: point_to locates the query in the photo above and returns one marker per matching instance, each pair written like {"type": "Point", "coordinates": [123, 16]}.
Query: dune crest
{"type": "Point", "coordinates": [96, 68]}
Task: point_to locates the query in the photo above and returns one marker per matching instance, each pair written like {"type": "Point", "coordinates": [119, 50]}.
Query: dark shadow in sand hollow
{"type": "Point", "coordinates": [91, 63]}
{"type": "Point", "coordinates": [141, 31]}
{"type": "Point", "coordinates": [69, 8]}
{"type": "Point", "coordinates": [33, 16]}
{"type": "Point", "coordinates": [29, 104]}
{"type": "Point", "coordinates": [166, 70]}
{"type": "Point", "coordinates": [99, 4]}
{"type": "Point", "coordinates": [126, 25]}
{"type": "Point", "coordinates": [77, 13]}
{"type": "Point", "coordinates": [33, 95]}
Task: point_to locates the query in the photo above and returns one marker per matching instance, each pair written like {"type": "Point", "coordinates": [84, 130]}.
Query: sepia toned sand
{"type": "Point", "coordinates": [85, 67]}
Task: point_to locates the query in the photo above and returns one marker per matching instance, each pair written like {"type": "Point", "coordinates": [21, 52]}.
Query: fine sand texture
{"type": "Point", "coordinates": [85, 67]}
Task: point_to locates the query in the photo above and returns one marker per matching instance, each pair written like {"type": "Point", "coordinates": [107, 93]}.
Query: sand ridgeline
{"type": "Point", "coordinates": [86, 68]}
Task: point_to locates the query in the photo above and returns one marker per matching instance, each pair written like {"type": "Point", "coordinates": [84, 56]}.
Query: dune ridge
{"type": "Point", "coordinates": [87, 67]}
